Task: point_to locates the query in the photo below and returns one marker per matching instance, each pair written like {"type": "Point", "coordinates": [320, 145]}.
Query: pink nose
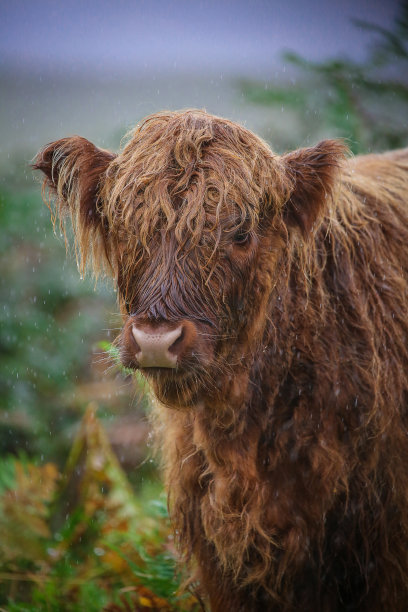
{"type": "Point", "coordinates": [156, 347]}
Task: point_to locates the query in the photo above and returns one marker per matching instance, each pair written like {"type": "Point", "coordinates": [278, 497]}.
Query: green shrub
{"type": "Point", "coordinates": [364, 102]}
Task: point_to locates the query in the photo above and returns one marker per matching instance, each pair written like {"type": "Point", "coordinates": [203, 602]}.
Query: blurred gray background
{"type": "Point", "coordinates": [96, 67]}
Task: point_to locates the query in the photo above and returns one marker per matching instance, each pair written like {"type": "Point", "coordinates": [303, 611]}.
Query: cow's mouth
{"type": "Point", "coordinates": [165, 374]}
{"type": "Point", "coordinates": [179, 375]}
{"type": "Point", "coordinates": [177, 387]}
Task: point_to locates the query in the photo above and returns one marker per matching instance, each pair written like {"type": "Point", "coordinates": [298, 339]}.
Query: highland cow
{"type": "Point", "coordinates": [265, 298]}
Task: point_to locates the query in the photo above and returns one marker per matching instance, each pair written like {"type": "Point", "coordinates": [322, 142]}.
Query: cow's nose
{"type": "Point", "coordinates": [157, 347]}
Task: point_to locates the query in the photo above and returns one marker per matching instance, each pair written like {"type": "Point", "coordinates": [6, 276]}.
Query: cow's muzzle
{"type": "Point", "coordinates": [162, 345]}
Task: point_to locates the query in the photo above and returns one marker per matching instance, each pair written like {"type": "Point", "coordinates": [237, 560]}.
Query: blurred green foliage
{"type": "Point", "coordinates": [49, 325]}
{"type": "Point", "coordinates": [364, 102]}
{"type": "Point", "coordinates": [81, 539]}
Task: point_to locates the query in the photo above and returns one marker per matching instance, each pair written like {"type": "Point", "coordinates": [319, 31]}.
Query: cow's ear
{"type": "Point", "coordinates": [313, 174]}
{"type": "Point", "coordinates": [74, 170]}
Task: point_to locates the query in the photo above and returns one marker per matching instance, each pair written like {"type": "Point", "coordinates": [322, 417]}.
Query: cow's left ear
{"type": "Point", "coordinates": [313, 173]}
{"type": "Point", "coordinates": [74, 170]}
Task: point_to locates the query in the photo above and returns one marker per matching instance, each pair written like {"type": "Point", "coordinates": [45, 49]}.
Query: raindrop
{"type": "Point", "coordinates": [52, 552]}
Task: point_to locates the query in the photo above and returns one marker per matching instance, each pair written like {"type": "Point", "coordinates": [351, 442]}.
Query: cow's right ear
{"type": "Point", "coordinates": [74, 171]}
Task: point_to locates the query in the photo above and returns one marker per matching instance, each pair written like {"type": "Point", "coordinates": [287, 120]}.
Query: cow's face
{"type": "Point", "coordinates": [193, 218]}
{"type": "Point", "coordinates": [195, 301]}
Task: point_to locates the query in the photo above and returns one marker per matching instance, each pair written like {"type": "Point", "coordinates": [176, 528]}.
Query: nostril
{"type": "Point", "coordinates": [136, 346]}
{"type": "Point", "coordinates": [177, 344]}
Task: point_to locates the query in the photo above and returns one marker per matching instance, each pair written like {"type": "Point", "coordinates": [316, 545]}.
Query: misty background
{"type": "Point", "coordinates": [95, 68]}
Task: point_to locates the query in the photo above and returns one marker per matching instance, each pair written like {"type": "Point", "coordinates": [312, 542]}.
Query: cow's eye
{"type": "Point", "coordinates": [241, 237]}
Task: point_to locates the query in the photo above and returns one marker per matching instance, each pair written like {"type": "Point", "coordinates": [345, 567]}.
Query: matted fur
{"type": "Point", "coordinates": [284, 438]}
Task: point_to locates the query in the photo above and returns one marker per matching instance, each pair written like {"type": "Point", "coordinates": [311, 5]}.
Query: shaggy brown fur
{"type": "Point", "coordinates": [284, 425]}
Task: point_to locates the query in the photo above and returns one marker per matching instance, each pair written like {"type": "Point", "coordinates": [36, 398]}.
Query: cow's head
{"type": "Point", "coordinates": [193, 219]}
